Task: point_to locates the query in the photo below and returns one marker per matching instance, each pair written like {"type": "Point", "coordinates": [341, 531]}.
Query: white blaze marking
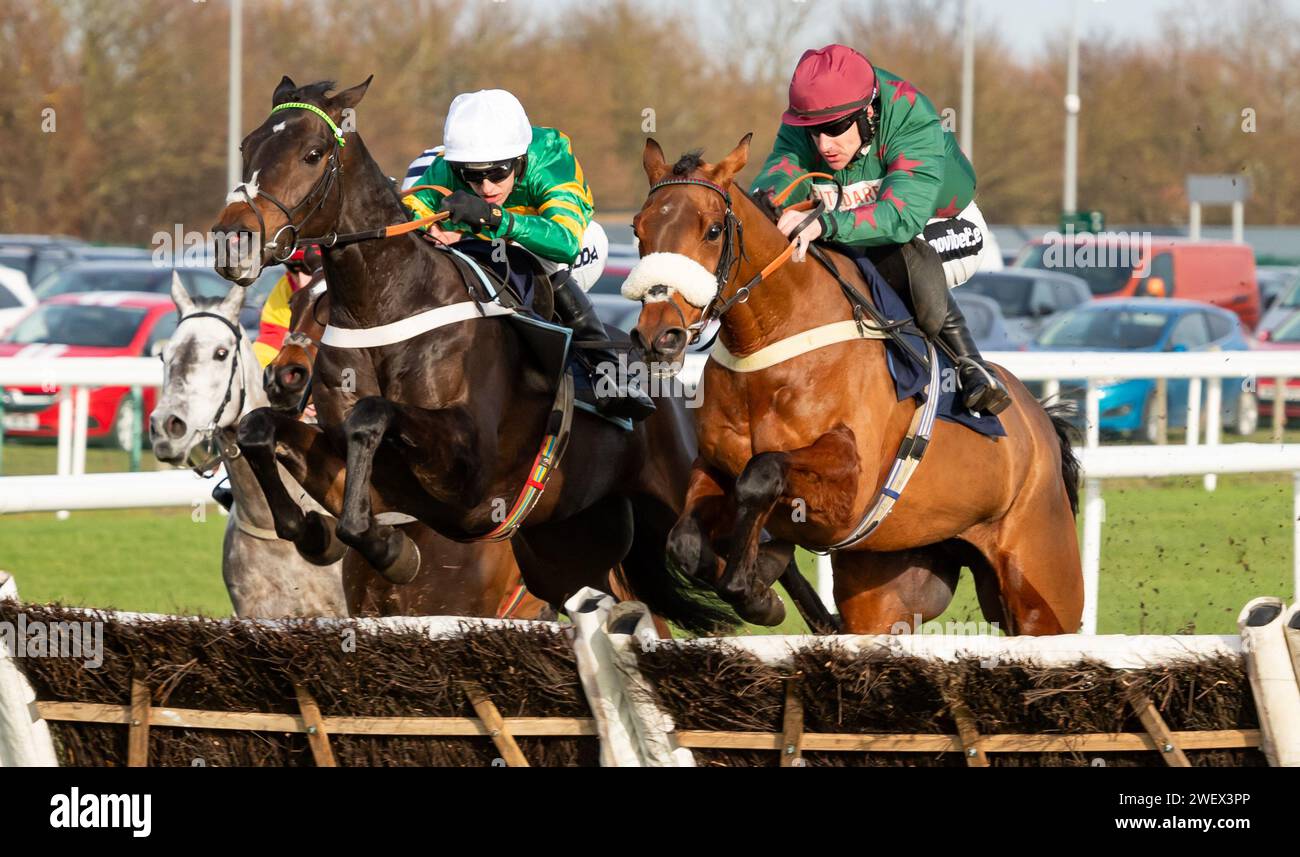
{"type": "Point", "coordinates": [275, 129]}
{"type": "Point", "coordinates": [250, 186]}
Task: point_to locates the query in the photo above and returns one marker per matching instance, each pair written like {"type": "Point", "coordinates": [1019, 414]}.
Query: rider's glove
{"type": "Point", "coordinates": [472, 210]}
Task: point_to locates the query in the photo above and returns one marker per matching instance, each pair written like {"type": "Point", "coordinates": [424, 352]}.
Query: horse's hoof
{"type": "Point", "coordinates": [765, 608]}
{"type": "Point", "coordinates": [687, 550]}
{"type": "Point", "coordinates": [318, 543]}
{"type": "Point", "coordinates": [406, 567]}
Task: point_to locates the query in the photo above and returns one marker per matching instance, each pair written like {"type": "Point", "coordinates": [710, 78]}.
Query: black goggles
{"type": "Point", "coordinates": [834, 128]}
{"type": "Point", "coordinates": [479, 173]}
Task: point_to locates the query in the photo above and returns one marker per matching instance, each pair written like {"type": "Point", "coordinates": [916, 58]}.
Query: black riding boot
{"type": "Point", "coordinates": [938, 315]}
{"type": "Point", "coordinates": [613, 398]}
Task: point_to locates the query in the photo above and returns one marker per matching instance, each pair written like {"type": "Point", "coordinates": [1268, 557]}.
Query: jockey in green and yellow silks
{"type": "Point", "coordinates": [522, 184]}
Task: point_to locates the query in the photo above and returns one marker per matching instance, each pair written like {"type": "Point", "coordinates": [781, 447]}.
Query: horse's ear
{"type": "Point", "coordinates": [351, 97]}
{"type": "Point", "coordinates": [232, 303]}
{"type": "Point", "coordinates": [726, 169]}
{"type": "Point", "coordinates": [284, 91]}
{"type": "Point", "coordinates": [180, 297]}
{"type": "Point", "coordinates": [653, 160]}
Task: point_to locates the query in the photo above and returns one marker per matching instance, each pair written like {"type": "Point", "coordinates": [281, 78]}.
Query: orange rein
{"type": "Point", "coordinates": [785, 254]}
{"type": "Point", "coordinates": [411, 226]}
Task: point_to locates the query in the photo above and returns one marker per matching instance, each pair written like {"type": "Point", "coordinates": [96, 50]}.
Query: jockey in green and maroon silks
{"type": "Point", "coordinates": [908, 203]}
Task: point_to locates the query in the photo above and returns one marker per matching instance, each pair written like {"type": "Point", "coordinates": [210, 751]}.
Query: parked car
{"type": "Point", "coordinates": [985, 321]}
{"type": "Point", "coordinates": [33, 256]}
{"type": "Point", "coordinates": [133, 275]}
{"type": "Point", "coordinates": [1151, 325]}
{"type": "Point", "coordinates": [94, 324]}
{"type": "Point", "coordinates": [1283, 310]}
{"type": "Point", "coordinates": [1221, 273]}
{"type": "Point", "coordinates": [16, 298]}
{"type": "Point", "coordinates": [1285, 338]}
{"type": "Point", "coordinates": [1275, 281]}
{"type": "Point", "coordinates": [1028, 298]}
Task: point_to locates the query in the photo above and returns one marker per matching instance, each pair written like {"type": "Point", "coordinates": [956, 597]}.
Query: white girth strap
{"type": "Point", "coordinates": [793, 346]}
{"type": "Point", "coordinates": [907, 459]}
{"type": "Point", "coordinates": [408, 328]}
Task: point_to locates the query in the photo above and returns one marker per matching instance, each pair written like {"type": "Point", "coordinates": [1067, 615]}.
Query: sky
{"type": "Point", "coordinates": [1026, 24]}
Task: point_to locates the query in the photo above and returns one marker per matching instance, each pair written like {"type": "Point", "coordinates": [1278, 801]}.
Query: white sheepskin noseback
{"type": "Point", "coordinates": [679, 273]}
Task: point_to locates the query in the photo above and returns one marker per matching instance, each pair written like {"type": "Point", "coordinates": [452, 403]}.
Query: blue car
{"type": "Point", "coordinates": [1150, 324]}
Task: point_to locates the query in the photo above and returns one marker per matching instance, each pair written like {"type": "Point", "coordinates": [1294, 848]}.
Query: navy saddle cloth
{"type": "Point", "coordinates": [550, 342]}
{"type": "Point", "coordinates": [910, 376]}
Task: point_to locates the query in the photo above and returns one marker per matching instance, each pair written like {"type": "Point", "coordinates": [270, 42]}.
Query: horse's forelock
{"type": "Point", "coordinates": [689, 163]}
{"type": "Point", "coordinates": [312, 93]}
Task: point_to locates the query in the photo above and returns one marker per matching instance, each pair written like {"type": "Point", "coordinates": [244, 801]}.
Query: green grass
{"type": "Point", "coordinates": [150, 560]}
{"type": "Point", "coordinates": [1175, 558]}
{"type": "Point", "coordinates": [30, 457]}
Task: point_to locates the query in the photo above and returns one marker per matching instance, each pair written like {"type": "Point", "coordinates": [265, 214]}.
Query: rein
{"type": "Point", "coordinates": [735, 240]}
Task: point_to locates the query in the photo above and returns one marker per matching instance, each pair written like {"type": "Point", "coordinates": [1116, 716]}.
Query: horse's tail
{"type": "Point", "coordinates": [688, 603]}
{"type": "Point", "coordinates": [1060, 412]}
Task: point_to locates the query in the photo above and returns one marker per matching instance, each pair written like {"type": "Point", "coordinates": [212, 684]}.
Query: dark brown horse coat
{"type": "Point", "coordinates": [445, 425]}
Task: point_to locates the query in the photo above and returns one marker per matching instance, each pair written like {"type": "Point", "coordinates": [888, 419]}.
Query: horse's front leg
{"type": "Point", "coordinates": [706, 517]}
{"type": "Point", "coordinates": [388, 550]}
{"type": "Point", "coordinates": [258, 435]}
{"type": "Point", "coordinates": [821, 476]}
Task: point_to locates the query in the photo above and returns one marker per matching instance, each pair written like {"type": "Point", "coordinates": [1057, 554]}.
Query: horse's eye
{"type": "Point", "coordinates": [714, 231]}
{"type": "Point", "coordinates": [221, 354]}
{"type": "Point", "coordinates": [314, 156]}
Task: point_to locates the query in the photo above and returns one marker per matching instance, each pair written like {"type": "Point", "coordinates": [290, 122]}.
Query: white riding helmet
{"type": "Point", "coordinates": [485, 127]}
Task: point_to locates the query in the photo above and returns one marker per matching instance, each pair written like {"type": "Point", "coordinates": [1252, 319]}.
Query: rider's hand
{"type": "Point", "coordinates": [791, 219]}
{"type": "Point", "coordinates": [472, 210]}
{"type": "Point", "coordinates": [444, 236]}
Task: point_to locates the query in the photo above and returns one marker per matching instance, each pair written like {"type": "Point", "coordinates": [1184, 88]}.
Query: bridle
{"type": "Point", "coordinates": [323, 185]}
{"type": "Point", "coordinates": [211, 442]}
{"type": "Point", "coordinates": [332, 176]}
{"type": "Point", "coordinates": [733, 247]}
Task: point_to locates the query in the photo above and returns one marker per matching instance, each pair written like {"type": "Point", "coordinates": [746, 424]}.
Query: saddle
{"type": "Point", "coordinates": [530, 292]}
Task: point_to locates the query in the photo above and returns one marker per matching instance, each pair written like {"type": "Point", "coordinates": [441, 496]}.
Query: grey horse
{"type": "Point", "coordinates": [211, 379]}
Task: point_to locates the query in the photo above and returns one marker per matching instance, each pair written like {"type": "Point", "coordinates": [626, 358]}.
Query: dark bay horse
{"type": "Point", "coordinates": [443, 425]}
{"type": "Point", "coordinates": [802, 447]}
{"type": "Point", "coordinates": [455, 579]}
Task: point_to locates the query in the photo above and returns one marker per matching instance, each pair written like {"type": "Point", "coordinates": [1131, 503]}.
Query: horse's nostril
{"type": "Point", "coordinates": [292, 377]}
{"type": "Point", "coordinates": [175, 427]}
{"type": "Point", "coordinates": [670, 341]}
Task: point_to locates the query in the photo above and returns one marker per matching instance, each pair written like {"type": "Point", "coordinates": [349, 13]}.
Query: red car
{"type": "Point", "coordinates": [88, 324]}
{"type": "Point", "coordinates": [1285, 338]}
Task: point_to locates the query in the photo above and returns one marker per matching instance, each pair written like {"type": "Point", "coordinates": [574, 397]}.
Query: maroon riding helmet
{"type": "Point", "coordinates": [829, 84]}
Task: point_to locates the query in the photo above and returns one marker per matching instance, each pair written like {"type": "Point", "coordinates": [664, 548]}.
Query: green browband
{"type": "Point", "coordinates": [338, 134]}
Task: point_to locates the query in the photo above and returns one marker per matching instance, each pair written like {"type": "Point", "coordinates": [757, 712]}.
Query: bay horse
{"type": "Point", "coordinates": [210, 380]}
{"type": "Point", "coordinates": [803, 446]}
{"type": "Point", "coordinates": [446, 424]}
{"type": "Point", "coordinates": [455, 579]}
